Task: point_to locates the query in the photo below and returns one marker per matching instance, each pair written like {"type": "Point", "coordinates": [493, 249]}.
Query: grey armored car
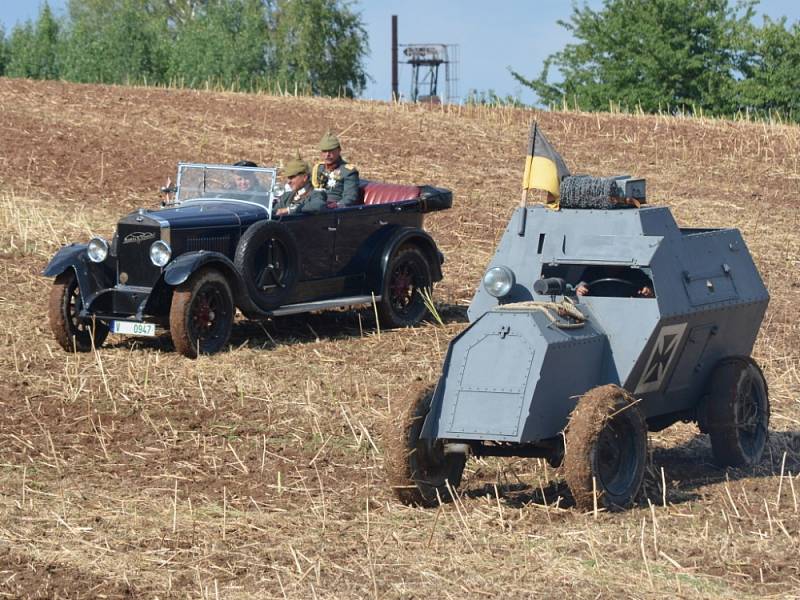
{"type": "Point", "coordinates": [661, 332]}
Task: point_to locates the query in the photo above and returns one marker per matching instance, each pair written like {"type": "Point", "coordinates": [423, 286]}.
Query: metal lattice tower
{"type": "Point", "coordinates": [425, 61]}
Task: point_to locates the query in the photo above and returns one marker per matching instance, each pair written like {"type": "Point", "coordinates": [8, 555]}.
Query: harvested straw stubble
{"type": "Point", "coordinates": [279, 396]}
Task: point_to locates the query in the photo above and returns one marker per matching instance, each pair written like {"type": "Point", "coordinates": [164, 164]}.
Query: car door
{"type": "Point", "coordinates": [354, 225]}
{"type": "Point", "coordinates": [315, 235]}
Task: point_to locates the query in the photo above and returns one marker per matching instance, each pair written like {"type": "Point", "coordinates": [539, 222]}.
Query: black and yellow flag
{"type": "Point", "coordinates": [544, 167]}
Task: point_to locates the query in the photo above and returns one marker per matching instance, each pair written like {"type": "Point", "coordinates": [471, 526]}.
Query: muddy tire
{"type": "Point", "coordinates": [737, 412]}
{"type": "Point", "coordinates": [417, 470]}
{"type": "Point", "coordinates": [407, 274]}
{"type": "Point", "coordinates": [201, 315]}
{"type": "Point", "coordinates": [606, 449]}
{"type": "Point", "coordinates": [71, 333]}
{"type": "Point", "coordinates": [267, 258]}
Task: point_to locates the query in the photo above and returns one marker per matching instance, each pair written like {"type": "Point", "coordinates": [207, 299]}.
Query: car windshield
{"type": "Point", "coordinates": [250, 184]}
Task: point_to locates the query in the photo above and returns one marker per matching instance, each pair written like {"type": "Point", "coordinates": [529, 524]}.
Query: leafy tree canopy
{"type": "Point", "coordinates": [113, 41]}
{"type": "Point", "coordinates": [673, 54]}
{"type": "Point", "coordinates": [3, 50]}
{"type": "Point", "coordinates": [318, 45]}
{"type": "Point", "coordinates": [33, 49]}
{"type": "Point", "coordinates": [222, 42]}
{"type": "Point", "coordinates": [772, 75]}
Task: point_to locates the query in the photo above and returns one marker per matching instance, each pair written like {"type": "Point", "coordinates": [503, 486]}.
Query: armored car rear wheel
{"type": "Point", "coordinates": [737, 412]}
{"type": "Point", "coordinates": [407, 275]}
{"type": "Point", "coordinates": [72, 333]}
{"type": "Point", "coordinates": [606, 449]}
{"type": "Point", "coordinates": [201, 315]}
{"type": "Point", "coordinates": [419, 470]}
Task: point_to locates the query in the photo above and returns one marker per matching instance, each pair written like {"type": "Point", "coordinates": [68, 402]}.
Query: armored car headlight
{"type": "Point", "coordinates": [97, 249]}
{"type": "Point", "coordinates": [498, 281]}
{"type": "Point", "coordinates": [160, 253]}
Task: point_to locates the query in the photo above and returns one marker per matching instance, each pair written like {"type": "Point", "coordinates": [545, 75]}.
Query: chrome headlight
{"type": "Point", "coordinates": [97, 249]}
{"type": "Point", "coordinates": [498, 281]}
{"type": "Point", "coordinates": [160, 253]}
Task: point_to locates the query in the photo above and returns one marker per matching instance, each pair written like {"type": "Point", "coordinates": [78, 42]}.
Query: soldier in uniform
{"type": "Point", "coordinates": [335, 175]}
{"type": "Point", "coordinates": [302, 197]}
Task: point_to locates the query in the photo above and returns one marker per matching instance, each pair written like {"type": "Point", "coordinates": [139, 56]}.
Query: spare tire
{"type": "Point", "coordinates": [267, 259]}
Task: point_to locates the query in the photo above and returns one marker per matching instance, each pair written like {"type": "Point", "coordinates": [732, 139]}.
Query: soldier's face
{"type": "Point", "coordinates": [242, 183]}
{"type": "Point", "coordinates": [298, 181]}
{"type": "Point", "coordinates": [330, 157]}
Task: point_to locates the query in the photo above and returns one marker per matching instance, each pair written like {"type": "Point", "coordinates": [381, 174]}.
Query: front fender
{"type": "Point", "coordinates": [430, 427]}
{"type": "Point", "coordinates": [179, 270]}
{"type": "Point", "coordinates": [66, 257]}
{"type": "Point", "coordinates": [92, 277]}
{"type": "Point", "coordinates": [399, 237]}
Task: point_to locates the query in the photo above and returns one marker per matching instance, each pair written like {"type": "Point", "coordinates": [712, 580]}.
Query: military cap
{"type": "Point", "coordinates": [296, 166]}
{"type": "Point", "coordinates": [329, 142]}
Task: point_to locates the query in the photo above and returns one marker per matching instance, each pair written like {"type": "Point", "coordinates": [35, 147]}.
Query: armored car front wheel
{"type": "Point", "coordinates": [201, 315]}
{"type": "Point", "coordinates": [606, 449]}
{"type": "Point", "coordinates": [418, 470]}
{"type": "Point", "coordinates": [737, 412]}
{"type": "Point", "coordinates": [72, 333]}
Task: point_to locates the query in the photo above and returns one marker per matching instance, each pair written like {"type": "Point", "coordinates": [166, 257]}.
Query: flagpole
{"type": "Point", "coordinates": [524, 199]}
{"type": "Point", "coordinates": [523, 203]}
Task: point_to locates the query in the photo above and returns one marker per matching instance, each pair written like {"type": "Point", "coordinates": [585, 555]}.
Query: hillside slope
{"type": "Point", "coordinates": [258, 472]}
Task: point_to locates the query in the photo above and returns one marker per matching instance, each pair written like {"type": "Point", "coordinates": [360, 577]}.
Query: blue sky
{"type": "Point", "coordinates": [491, 36]}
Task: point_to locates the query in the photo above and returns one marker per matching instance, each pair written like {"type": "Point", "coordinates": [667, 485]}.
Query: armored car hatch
{"type": "Point", "coordinates": [590, 327]}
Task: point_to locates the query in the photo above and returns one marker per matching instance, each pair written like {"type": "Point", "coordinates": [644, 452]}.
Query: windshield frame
{"type": "Point", "coordinates": [264, 198]}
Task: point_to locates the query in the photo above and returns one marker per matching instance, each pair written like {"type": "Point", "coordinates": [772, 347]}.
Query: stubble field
{"type": "Point", "coordinates": [258, 472]}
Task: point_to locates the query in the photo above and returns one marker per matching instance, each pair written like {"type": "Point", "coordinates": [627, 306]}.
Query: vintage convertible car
{"type": "Point", "coordinates": [216, 246]}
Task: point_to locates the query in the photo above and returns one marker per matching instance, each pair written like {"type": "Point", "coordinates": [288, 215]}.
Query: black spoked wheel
{"type": "Point", "coordinates": [71, 332]}
{"type": "Point", "coordinates": [418, 470]}
{"type": "Point", "coordinates": [606, 449]}
{"type": "Point", "coordinates": [267, 258]}
{"type": "Point", "coordinates": [201, 315]}
{"type": "Point", "coordinates": [407, 275]}
{"type": "Point", "coordinates": [737, 412]}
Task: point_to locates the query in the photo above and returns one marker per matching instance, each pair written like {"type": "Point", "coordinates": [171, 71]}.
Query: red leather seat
{"type": "Point", "coordinates": [375, 192]}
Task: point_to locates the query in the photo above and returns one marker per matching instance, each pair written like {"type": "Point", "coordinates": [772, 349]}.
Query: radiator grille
{"type": "Point", "coordinates": [133, 253]}
{"type": "Point", "coordinates": [219, 244]}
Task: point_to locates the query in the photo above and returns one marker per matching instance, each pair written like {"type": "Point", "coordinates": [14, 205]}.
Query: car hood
{"type": "Point", "coordinates": [205, 213]}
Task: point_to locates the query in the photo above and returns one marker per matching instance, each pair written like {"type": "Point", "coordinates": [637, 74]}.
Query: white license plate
{"type": "Point", "coordinates": [130, 328]}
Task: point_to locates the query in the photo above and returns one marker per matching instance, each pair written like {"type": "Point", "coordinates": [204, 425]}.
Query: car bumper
{"type": "Point", "coordinates": [121, 302]}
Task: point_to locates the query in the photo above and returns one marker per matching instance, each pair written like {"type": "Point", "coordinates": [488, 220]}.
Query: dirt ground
{"type": "Point", "coordinates": [258, 473]}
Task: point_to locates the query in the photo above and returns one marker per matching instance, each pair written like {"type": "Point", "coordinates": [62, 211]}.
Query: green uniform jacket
{"type": "Point", "coordinates": [341, 183]}
{"type": "Point", "coordinates": [304, 200]}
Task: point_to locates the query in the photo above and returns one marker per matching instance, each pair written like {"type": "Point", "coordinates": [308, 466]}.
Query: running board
{"type": "Point", "coordinates": [293, 309]}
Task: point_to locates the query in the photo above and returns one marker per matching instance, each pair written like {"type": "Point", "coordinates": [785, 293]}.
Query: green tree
{"type": "Point", "coordinates": [653, 54]}
{"type": "Point", "coordinates": [3, 51]}
{"type": "Point", "coordinates": [34, 48]}
{"type": "Point", "coordinates": [224, 42]}
{"type": "Point", "coordinates": [114, 41]}
{"type": "Point", "coordinates": [772, 77]}
{"type": "Point", "coordinates": [320, 45]}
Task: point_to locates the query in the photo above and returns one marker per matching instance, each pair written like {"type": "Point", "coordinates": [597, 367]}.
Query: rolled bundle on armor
{"type": "Point", "coordinates": [585, 191]}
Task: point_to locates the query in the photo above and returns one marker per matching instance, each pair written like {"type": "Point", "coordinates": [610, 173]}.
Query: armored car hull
{"type": "Point", "coordinates": [667, 317]}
